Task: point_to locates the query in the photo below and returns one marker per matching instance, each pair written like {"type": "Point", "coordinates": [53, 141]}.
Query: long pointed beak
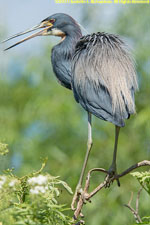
{"type": "Point", "coordinates": [46, 25]}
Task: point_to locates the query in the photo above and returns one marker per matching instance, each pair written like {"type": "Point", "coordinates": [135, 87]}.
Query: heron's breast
{"type": "Point", "coordinates": [61, 69]}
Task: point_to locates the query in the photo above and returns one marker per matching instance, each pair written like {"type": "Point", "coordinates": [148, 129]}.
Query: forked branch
{"type": "Point", "coordinates": [135, 212]}
{"type": "Point", "coordinates": [85, 196]}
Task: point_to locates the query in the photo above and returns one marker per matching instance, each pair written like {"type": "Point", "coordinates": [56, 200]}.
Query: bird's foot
{"type": "Point", "coordinates": [112, 173]}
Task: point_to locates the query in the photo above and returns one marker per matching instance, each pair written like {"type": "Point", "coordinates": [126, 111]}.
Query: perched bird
{"type": "Point", "coordinates": [98, 68]}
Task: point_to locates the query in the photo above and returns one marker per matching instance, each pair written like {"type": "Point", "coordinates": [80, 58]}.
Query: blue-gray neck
{"type": "Point", "coordinates": [62, 57]}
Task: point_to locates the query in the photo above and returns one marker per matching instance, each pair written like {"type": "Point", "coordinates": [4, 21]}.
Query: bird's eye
{"type": "Point", "coordinates": [52, 20]}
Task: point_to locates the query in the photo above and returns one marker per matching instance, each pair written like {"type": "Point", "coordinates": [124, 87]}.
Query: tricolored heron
{"type": "Point", "coordinates": [98, 68]}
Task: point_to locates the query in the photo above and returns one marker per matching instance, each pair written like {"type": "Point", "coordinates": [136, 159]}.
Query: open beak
{"type": "Point", "coordinates": [45, 30]}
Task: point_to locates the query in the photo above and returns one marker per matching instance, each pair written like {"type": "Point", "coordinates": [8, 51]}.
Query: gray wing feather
{"type": "Point", "coordinates": [104, 78]}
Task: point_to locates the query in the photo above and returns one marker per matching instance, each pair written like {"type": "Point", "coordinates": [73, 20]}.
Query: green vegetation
{"type": "Point", "coordinates": [39, 118]}
{"type": "Point", "coordinates": [32, 199]}
{"type": "Point", "coordinates": [144, 180]}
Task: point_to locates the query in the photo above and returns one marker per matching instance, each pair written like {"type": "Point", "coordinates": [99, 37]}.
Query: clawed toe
{"type": "Point", "coordinates": [110, 178]}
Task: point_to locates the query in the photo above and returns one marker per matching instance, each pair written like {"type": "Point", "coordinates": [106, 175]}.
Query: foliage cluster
{"type": "Point", "coordinates": [144, 180]}
{"type": "Point", "coordinates": [32, 199]}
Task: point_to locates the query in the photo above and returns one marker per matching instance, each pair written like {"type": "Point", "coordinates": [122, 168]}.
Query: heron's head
{"type": "Point", "coordinates": [58, 24]}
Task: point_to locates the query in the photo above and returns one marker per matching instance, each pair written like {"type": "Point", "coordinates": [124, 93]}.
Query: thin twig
{"type": "Point", "coordinates": [137, 218]}
{"type": "Point", "coordinates": [131, 198]}
{"type": "Point", "coordinates": [133, 211]}
{"type": "Point", "coordinates": [137, 199]}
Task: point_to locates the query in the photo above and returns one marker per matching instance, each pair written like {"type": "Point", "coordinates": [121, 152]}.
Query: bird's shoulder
{"type": "Point", "coordinates": [99, 38]}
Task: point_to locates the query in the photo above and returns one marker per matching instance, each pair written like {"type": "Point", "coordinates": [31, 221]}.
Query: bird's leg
{"type": "Point", "coordinates": [113, 168]}
{"type": "Point", "coordinates": [89, 147]}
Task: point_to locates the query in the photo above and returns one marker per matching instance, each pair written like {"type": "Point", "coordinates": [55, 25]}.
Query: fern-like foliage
{"type": "Point", "coordinates": [144, 179]}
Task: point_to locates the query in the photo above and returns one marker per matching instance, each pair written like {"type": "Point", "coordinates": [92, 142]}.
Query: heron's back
{"type": "Point", "coordinates": [104, 78]}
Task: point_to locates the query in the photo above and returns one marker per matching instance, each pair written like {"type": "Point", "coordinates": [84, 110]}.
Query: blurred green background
{"type": "Point", "coordinates": [40, 118]}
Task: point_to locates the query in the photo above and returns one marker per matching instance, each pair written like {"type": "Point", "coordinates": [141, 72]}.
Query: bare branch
{"type": "Point", "coordinates": [85, 196]}
{"type": "Point", "coordinates": [133, 211]}
{"type": "Point", "coordinates": [137, 199]}
{"type": "Point", "coordinates": [136, 216]}
{"type": "Point", "coordinates": [135, 166]}
{"type": "Point", "coordinates": [131, 198]}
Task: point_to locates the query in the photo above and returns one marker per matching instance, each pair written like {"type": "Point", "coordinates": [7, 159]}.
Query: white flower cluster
{"type": "Point", "coordinates": [38, 180]}
{"type": "Point", "coordinates": [12, 183]}
{"type": "Point", "coordinates": [39, 184]}
{"type": "Point", "coordinates": [2, 181]}
{"type": "Point", "coordinates": [38, 189]}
